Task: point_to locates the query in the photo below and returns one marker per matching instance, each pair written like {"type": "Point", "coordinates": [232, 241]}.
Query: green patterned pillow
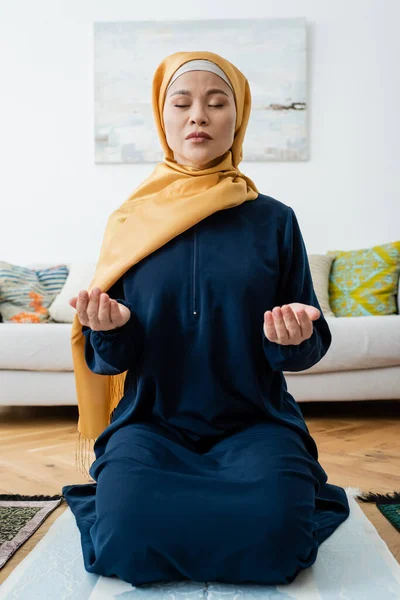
{"type": "Point", "coordinates": [26, 294]}
{"type": "Point", "coordinates": [364, 282]}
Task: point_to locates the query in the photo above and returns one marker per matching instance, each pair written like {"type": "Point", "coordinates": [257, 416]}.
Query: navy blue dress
{"type": "Point", "coordinates": [207, 471]}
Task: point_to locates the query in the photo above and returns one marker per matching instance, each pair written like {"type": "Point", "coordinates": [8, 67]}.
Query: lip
{"type": "Point", "coordinates": [198, 135]}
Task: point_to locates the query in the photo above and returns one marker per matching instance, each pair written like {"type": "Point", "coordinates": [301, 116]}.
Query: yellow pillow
{"type": "Point", "coordinates": [364, 282]}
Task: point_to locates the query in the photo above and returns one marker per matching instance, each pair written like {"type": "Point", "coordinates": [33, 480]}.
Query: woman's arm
{"type": "Point", "coordinates": [296, 285]}
{"type": "Point", "coordinates": [114, 351]}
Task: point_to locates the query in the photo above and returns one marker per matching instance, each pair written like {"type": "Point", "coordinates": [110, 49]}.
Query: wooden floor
{"type": "Point", "coordinates": [358, 442]}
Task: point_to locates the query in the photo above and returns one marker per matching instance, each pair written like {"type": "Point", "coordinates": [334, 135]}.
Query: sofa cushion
{"type": "Point", "coordinates": [357, 343]}
{"type": "Point", "coordinates": [361, 343]}
{"type": "Point", "coordinates": [36, 346]}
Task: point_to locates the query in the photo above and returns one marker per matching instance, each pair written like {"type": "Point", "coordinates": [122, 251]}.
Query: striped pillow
{"type": "Point", "coordinates": [26, 294]}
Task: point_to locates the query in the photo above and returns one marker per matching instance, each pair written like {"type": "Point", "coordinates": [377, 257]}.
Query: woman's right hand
{"type": "Point", "coordinates": [98, 311]}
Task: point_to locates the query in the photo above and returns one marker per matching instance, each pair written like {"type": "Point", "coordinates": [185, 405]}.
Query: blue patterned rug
{"type": "Point", "coordinates": [353, 563]}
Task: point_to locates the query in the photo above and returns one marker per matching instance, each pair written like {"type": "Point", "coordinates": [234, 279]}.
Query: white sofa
{"type": "Point", "coordinates": [363, 362]}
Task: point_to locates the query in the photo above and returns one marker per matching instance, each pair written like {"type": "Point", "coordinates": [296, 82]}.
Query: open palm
{"type": "Point", "coordinates": [290, 324]}
{"type": "Point", "coordinates": [98, 311]}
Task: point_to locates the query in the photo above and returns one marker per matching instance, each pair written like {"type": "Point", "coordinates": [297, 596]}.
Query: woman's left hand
{"type": "Point", "coordinates": [290, 324]}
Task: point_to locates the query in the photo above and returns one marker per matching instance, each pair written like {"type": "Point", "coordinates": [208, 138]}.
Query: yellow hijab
{"type": "Point", "coordinates": [170, 201]}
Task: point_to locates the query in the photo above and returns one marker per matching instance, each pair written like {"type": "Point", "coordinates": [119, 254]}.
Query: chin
{"type": "Point", "coordinates": [201, 159]}
{"type": "Point", "coordinates": [198, 157]}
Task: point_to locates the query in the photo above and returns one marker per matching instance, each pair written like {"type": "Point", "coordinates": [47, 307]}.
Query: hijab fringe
{"type": "Point", "coordinates": [84, 450]}
{"type": "Point", "coordinates": [84, 454]}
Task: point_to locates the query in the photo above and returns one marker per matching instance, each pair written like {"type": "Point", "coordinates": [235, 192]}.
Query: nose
{"type": "Point", "coordinates": [199, 120]}
{"type": "Point", "coordinates": [198, 115]}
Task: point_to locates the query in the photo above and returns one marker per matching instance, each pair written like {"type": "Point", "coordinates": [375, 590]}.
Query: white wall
{"type": "Point", "coordinates": [55, 201]}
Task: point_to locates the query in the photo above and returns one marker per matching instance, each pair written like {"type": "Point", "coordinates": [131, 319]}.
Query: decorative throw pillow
{"type": "Point", "coordinates": [26, 294]}
{"type": "Point", "coordinates": [364, 282]}
{"type": "Point", "coordinates": [79, 278]}
{"type": "Point", "coordinates": [320, 267]}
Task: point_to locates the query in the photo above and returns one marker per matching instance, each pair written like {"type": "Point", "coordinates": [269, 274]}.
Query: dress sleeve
{"type": "Point", "coordinates": [113, 352]}
{"type": "Point", "coordinates": [296, 285]}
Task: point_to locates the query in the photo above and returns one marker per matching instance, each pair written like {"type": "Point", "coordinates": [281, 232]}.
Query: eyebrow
{"type": "Point", "coordinates": [208, 93]}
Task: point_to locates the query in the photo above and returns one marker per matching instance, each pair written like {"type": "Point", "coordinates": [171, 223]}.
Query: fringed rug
{"type": "Point", "coordinates": [353, 563]}
{"type": "Point", "coordinates": [388, 504]}
{"type": "Point", "coordinates": [20, 516]}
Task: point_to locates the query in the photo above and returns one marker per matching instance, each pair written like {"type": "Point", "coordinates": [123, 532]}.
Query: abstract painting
{"type": "Point", "coordinates": [271, 53]}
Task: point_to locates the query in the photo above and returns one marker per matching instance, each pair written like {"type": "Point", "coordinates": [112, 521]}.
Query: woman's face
{"type": "Point", "coordinates": [199, 101]}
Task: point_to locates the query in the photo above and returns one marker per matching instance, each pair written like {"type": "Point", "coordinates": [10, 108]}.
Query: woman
{"type": "Point", "coordinates": [205, 469]}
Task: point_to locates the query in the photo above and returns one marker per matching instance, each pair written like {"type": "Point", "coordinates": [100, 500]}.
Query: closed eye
{"type": "Point", "coordinates": [187, 105]}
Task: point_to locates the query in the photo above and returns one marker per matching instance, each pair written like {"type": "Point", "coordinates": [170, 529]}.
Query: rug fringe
{"type": "Point", "coordinates": [21, 497]}
{"type": "Point", "coordinates": [380, 498]}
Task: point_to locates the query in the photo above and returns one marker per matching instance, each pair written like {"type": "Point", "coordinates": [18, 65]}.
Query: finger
{"type": "Point", "coordinates": [306, 324]}
{"type": "Point", "coordinates": [269, 329]}
{"type": "Point", "coordinates": [313, 312]}
{"type": "Point", "coordinates": [104, 311]}
{"type": "Point", "coordinates": [115, 313]}
{"type": "Point", "coordinates": [292, 324]}
{"type": "Point", "coordinates": [73, 301]}
{"type": "Point", "coordinates": [283, 334]}
{"type": "Point", "coordinates": [93, 308]}
{"type": "Point", "coordinates": [81, 306]}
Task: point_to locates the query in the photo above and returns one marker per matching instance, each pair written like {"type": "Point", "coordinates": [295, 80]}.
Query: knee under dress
{"type": "Point", "coordinates": [207, 470]}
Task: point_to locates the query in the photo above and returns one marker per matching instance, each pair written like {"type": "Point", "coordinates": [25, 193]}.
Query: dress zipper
{"type": "Point", "coordinates": [194, 272]}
